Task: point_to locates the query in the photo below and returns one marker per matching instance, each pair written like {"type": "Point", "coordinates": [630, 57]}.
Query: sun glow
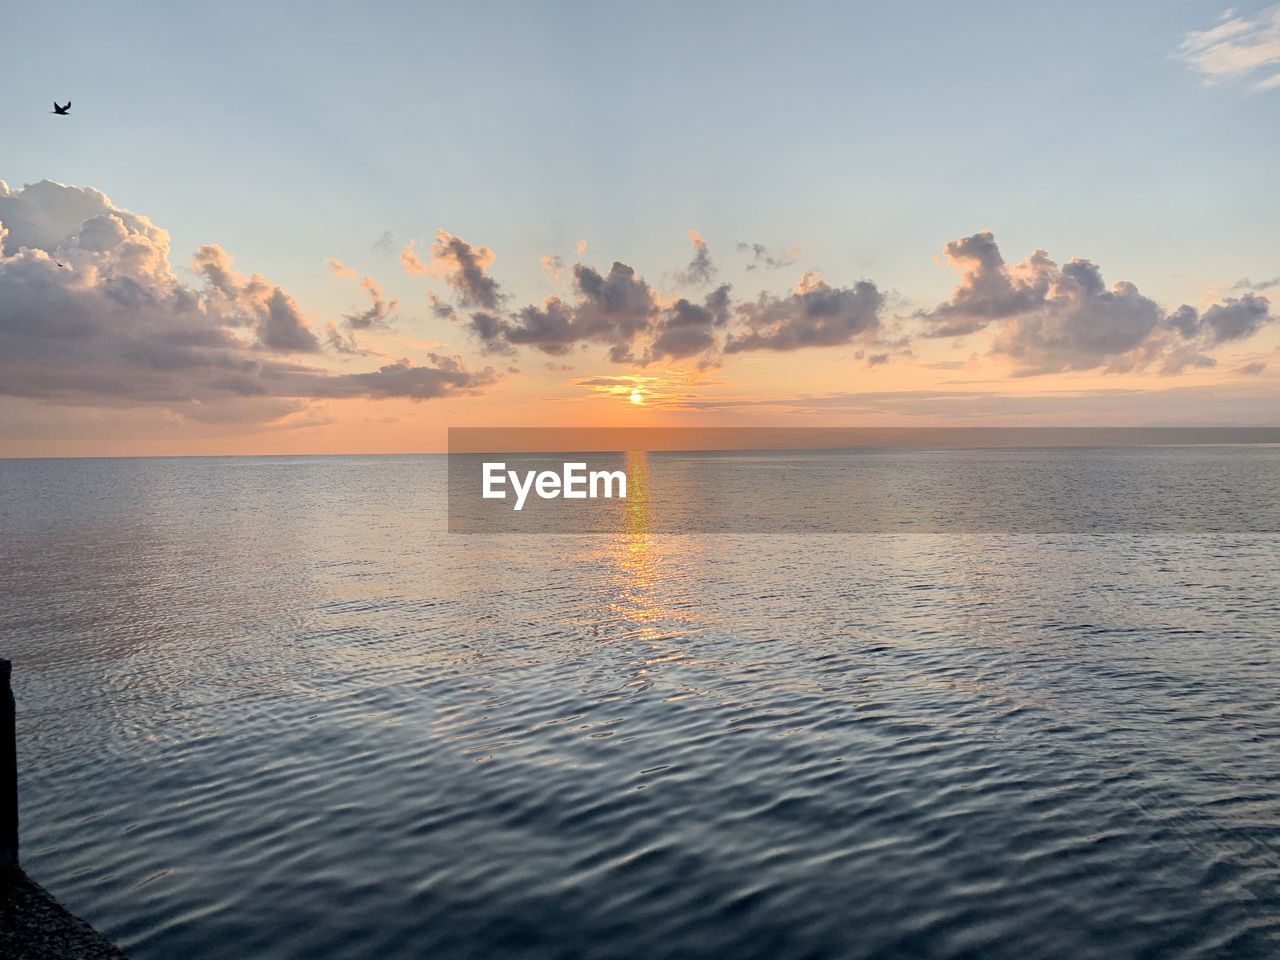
{"type": "Point", "coordinates": [637, 397]}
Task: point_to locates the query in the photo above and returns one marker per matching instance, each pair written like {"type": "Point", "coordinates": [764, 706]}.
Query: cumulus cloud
{"type": "Point", "coordinates": [491, 331]}
{"type": "Point", "coordinates": [43, 215]}
{"type": "Point", "coordinates": [700, 269]}
{"type": "Point", "coordinates": [612, 309]}
{"type": "Point", "coordinates": [815, 314]}
{"type": "Point", "coordinates": [91, 313]}
{"type": "Point", "coordinates": [1236, 318]}
{"type": "Point", "coordinates": [1049, 318]}
{"type": "Point", "coordinates": [1237, 48]}
{"type": "Point", "coordinates": [762, 259]}
{"type": "Point", "coordinates": [687, 328]}
{"type": "Point", "coordinates": [251, 302]}
{"type": "Point", "coordinates": [990, 289]}
{"type": "Point", "coordinates": [460, 265]}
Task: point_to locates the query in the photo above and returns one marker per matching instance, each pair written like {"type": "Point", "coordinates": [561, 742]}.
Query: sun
{"type": "Point", "coordinates": [637, 397]}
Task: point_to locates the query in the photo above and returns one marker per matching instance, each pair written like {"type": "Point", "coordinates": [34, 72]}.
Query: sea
{"type": "Point", "coordinates": [271, 707]}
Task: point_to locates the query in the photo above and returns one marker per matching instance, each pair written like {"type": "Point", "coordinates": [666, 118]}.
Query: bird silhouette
{"type": "Point", "coordinates": [62, 111]}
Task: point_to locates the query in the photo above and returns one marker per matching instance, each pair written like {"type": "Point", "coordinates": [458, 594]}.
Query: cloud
{"type": "Point", "coordinates": [700, 269]}
{"type": "Point", "coordinates": [386, 243]}
{"type": "Point", "coordinates": [686, 329]}
{"type": "Point", "coordinates": [412, 263]}
{"type": "Point", "coordinates": [990, 290]}
{"type": "Point", "coordinates": [666, 389]}
{"type": "Point", "coordinates": [446, 376]}
{"type": "Point", "coordinates": [553, 267]}
{"type": "Point", "coordinates": [378, 313]}
{"type": "Point", "coordinates": [1238, 47]}
{"type": "Point", "coordinates": [97, 317]}
{"type": "Point", "coordinates": [462, 266]}
{"type": "Point", "coordinates": [620, 311]}
{"type": "Point", "coordinates": [815, 314]}
{"type": "Point", "coordinates": [1217, 405]}
{"type": "Point", "coordinates": [43, 215]}
{"type": "Point", "coordinates": [612, 309]}
{"type": "Point", "coordinates": [441, 308]}
{"type": "Point", "coordinates": [1256, 287]}
{"type": "Point", "coordinates": [1050, 319]}
{"type": "Point", "coordinates": [251, 302]}
{"type": "Point", "coordinates": [761, 258]}
{"type": "Point", "coordinates": [1252, 369]}
{"type": "Point", "coordinates": [491, 331]}
{"type": "Point", "coordinates": [1236, 318]}
{"type": "Point", "coordinates": [340, 269]}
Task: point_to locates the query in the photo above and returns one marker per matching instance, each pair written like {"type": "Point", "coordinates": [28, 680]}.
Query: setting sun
{"type": "Point", "coordinates": [637, 397]}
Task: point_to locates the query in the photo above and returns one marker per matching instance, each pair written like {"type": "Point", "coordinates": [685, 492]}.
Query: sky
{"type": "Point", "coordinates": [259, 232]}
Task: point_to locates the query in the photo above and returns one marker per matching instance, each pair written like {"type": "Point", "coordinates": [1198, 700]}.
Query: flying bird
{"type": "Point", "coordinates": [62, 111]}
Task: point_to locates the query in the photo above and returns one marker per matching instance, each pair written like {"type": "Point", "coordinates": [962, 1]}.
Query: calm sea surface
{"type": "Point", "coordinates": [269, 708]}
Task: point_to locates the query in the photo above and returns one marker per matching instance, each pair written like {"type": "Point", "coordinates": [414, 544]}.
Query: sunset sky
{"type": "Point", "coordinates": [343, 232]}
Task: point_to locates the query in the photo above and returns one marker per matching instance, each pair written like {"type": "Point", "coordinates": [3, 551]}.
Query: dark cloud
{"type": "Point", "coordinates": [440, 308]}
{"type": "Point", "coordinates": [1256, 287]}
{"type": "Point", "coordinates": [284, 328]}
{"type": "Point", "coordinates": [700, 270]}
{"type": "Point", "coordinates": [378, 314]}
{"type": "Point", "coordinates": [549, 327]}
{"type": "Point", "coordinates": [252, 302]}
{"type": "Point", "coordinates": [815, 314]}
{"type": "Point", "coordinates": [97, 317]}
{"type": "Point", "coordinates": [1252, 369]}
{"type": "Point", "coordinates": [340, 342]}
{"type": "Point", "coordinates": [687, 329]}
{"type": "Point", "coordinates": [1049, 318]}
{"type": "Point", "coordinates": [1185, 321]}
{"type": "Point", "coordinates": [462, 266]}
{"type": "Point", "coordinates": [491, 331]}
{"type": "Point", "coordinates": [1236, 318]}
{"type": "Point", "coordinates": [447, 376]}
{"type": "Point", "coordinates": [612, 309]}
{"type": "Point", "coordinates": [990, 289]}
{"type": "Point", "coordinates": [761, 258]}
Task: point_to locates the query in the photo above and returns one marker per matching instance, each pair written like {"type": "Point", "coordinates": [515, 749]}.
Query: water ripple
{"type": "Point", "coordinates": [259, 717]}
